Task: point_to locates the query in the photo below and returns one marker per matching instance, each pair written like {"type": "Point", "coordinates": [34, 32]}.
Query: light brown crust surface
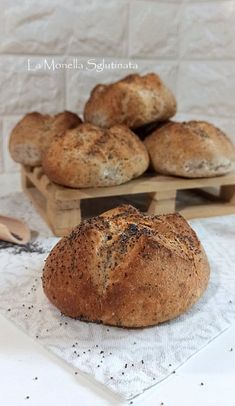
{"type": "Point", "coordinates": [127, 269]}
{"type": "Point", "coordinates": [194, 149]}
{"type": "Point", "coordinates": [134, 101]}
{"type": "Point", "coordinates": [88, 156]}
{"type": "Point", "coordinates": [33, 134]}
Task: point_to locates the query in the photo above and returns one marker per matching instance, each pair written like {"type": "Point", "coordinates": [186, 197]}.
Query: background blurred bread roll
{"type": "Point", "coordinates": [33, 134]}
{"type": "Point", "coordinates": [195, 149]}
{"type": "Point", "coordinates": [89, 156]}
{"type": "Point", "coordinates": [134, 101]}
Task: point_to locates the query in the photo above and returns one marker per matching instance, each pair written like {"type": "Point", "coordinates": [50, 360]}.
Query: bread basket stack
{"type": "Point", "coordinates": [127, 132]}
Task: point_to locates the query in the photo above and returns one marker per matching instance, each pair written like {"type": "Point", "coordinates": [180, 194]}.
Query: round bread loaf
{"type": "Point", "coordinates": [33, 134]}
{"type": "Point", "coordinates": [195, 149]}
{"type": "Point", "coordinates": [134, 101]}
{"type": "Point", "coordinates": [127, 269]}
{"type": "Point", "coordinates": [88, 156]}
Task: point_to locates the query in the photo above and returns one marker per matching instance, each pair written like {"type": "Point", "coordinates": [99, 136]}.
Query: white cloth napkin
{"type": "Point", "coordinates": [125, 361]}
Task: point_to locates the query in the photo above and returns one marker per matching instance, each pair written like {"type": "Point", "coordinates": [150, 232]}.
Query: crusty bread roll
{"type": "Point", "coordinates": [134, 101]}
{"type": "Point", "coordinates": [88, 156]}
{"type": "Point", "coordinates": [195, 149]}
{"type": "Point", "coordinates": [33, 134]}
{"type": "Point", "coordinates": [127, 269]}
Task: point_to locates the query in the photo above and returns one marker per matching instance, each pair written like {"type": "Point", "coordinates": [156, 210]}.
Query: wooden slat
{"type": "Point", "coordinates": [208, 210]}
{"type": "Point", "coordinates": [143, 185]}
{"type": "Point", "coordinates": [39, 203]}
{"type": "Point", "coordinates": [162, 202]}
{"type": "Point", "coordinates": [40, 181]}
{"type": "Point", "coordinates": [227, 193]}
{"type": "Point", "coordinates": [60, 206]}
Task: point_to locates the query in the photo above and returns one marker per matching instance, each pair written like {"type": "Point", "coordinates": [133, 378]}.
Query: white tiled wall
{"type": "Point", "coordinates": [190, 43]}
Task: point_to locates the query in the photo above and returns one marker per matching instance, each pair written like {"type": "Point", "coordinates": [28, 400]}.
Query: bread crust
{"type": "Point", "coordinates": [193, 149]}
{"type": "Point", "coordinates": [127, 269]}
{"type": "Point", "coordinates": [134, 101]}
{"type": "Point", "coordinates": [88, 156]}
{"type": "Point", "coordinates": [33, 134]}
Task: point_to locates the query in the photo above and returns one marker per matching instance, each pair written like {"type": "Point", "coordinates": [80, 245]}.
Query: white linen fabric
{"type": "Point", "coordinates": [127, 361]}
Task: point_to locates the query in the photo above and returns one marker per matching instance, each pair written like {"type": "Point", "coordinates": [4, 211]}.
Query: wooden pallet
{"type": "Point", "coordinates": [61, 206]}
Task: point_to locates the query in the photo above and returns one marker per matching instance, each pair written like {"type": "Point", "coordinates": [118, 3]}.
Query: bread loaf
{"type": "Point", "coordinates": [195, 149]}
{"type": "Point", "coordinates": [127, 269]}
{"type": "Point", "coordinates": [33, 134]}
{"type": "Point", "coordinates": [134, 101]}
{"type": "Point", "coordinates": [88, 156]}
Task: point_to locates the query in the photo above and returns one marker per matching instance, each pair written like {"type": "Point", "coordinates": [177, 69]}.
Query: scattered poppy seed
{"type": "Point", "coordinates": [27, 397]}
{"type": "Point", "coordinates": [125, 365]}
{"type": "Point", "coordinates": [101, 352]}
{"type": "Point", "coordinates": [231, 349]}
{"type": "Point", "coordinates": [142, 362]}
{"type": "Point", "coordinates": [173, 372]}
{"type": "Point", "coordinates": [8, 310]}
{"type": "Point", "coordinates": [75, 373]}
{"type": "Point", "coordinates": [201, 383]}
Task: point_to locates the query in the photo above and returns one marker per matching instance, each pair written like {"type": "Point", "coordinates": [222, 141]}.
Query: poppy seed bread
{"type": "Point", "coordinates": [128, 269]}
